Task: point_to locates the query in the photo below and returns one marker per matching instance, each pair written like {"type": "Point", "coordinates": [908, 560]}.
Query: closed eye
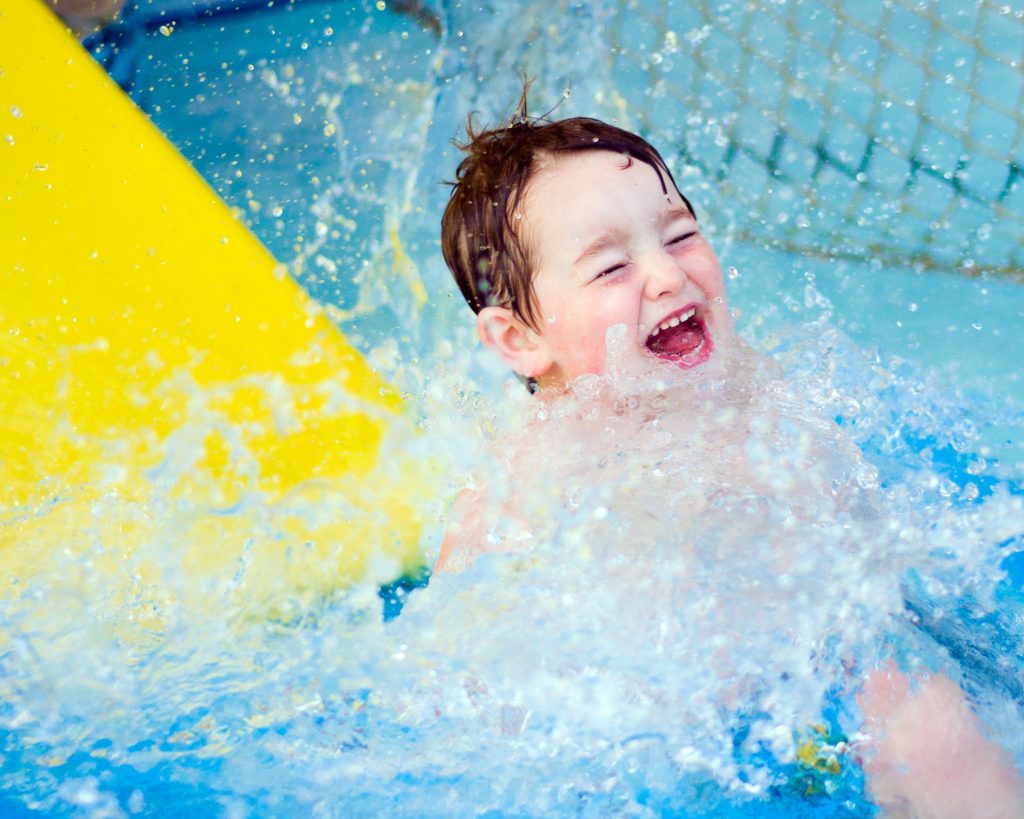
{"type": "Point", "coordinates": [609, 271]}
{"type": "Point", "coordinates": [682, 237]}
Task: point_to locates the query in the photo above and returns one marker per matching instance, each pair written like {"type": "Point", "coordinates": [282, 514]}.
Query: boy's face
{"type": "Point", "coordinates": [612, 248]}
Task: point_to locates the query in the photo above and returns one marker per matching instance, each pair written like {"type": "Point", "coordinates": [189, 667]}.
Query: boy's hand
{"type": "Point", "coordinates": [464, 535]}
{"type": "Point", "coordinates": [927, 756]}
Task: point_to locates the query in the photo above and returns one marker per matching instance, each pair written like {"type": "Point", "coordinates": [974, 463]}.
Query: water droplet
{"type": "Point", "coordinates": [167, 30]}
{"type": "Point", "coordinates": [297, 118]}
{"type": "Point", "coordinates": [9, 139]}
{"type": "Point", "coordinates": [976, 325]}
{"type": "Point", "coordinates": [381, 5]}
{"type": "Point", "coordinates": [733, 273]}
{"type": "Point", "coordinates": [698, 35]}
{"type": "Point", "coordinates": [41, 166]}
{"type": "Point", "coordinates": [15, 112]}
{"type": "Point", "coordinates": [277, 210]}
{"type": "Point", "coordinates": [550, 319]}
{"type": "Point", "coordinates": [329, 129]}
{"type": "Point", "coordinates": [912, 307]}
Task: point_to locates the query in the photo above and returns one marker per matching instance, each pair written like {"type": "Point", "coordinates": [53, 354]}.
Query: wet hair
{"type": "Point", "coordinates": [482, 233]}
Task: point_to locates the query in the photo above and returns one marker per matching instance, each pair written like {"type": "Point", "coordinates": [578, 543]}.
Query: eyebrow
{"type": "Point", "coordinates": [609, 239]}
{"type": "Point", "coordinates": [676, 213]}
{"type": "Point", "coordinates": [617, 236]}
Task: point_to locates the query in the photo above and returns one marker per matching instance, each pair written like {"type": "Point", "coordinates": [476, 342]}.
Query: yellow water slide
{"type": "Point", "coordinates": [177, 418]}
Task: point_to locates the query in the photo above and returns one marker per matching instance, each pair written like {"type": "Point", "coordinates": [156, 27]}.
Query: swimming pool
{"type": "Point", "coordinates": [327, 127]}
{"type": "Point", "coordinates": [850, 131]}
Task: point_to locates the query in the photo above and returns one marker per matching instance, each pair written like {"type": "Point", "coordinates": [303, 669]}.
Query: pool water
{"type": "Point", "coordinates": [332, 140]}
{"type": "Point", "coordinates": [702, 588]}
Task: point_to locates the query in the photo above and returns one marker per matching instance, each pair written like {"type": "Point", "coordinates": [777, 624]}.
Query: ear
{"type": "Point", "coordinates": [512, 339]}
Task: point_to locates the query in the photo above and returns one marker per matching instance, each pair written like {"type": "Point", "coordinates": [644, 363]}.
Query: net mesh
{"type": "Point", "coordinates": [894, 127]}
{"type": "Point", "coordinates": [884, 131]}
{"type": "Point", "coordinates": [876, 130]}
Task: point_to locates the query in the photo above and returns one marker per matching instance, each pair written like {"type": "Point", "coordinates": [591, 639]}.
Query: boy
{"type": "Point", "coordinates": [560, 234]}
{"type": "Point", "coordinates": [557, 232]}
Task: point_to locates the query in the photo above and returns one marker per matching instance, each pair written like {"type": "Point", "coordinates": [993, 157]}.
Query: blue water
{"type": "Point", "coordinates": [396, 94]}
{"type": "Point", "coordinates": [541, 687]}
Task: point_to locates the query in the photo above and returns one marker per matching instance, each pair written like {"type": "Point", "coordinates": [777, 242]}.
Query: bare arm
{"type": "Point", "coordinates": [928, 757]}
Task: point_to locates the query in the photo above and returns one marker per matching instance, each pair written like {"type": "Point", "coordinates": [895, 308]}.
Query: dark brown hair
{"type": "Point", "coordinates": [481, 236]}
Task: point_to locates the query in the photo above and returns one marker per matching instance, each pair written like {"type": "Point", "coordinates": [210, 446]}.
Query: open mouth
{"type": "Point", "coordinates": [682, 338]}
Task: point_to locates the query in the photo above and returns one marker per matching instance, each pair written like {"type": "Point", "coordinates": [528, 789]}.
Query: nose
{"type": "Point", "coordinates": [665, 277]}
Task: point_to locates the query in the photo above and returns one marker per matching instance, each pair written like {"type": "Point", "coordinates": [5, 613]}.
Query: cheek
{"type": "Point", "coordinates": [579, 340]}
{"type": "Point", "coordinates": [712, 283]}
{"type": "Point", "coordinates": [708, 272]}
{"type": "Point", "coordinates": [594, 335]}
{"type": "Point", "coordinates": [583, 343]}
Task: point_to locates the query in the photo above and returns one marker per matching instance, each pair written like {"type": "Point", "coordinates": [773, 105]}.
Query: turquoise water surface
{"type": "Point", "coordinates": [658, 650]}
